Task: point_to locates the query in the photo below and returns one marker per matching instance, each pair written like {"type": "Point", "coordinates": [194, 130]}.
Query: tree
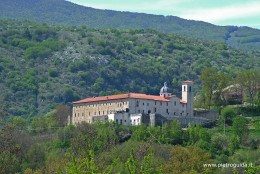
{"type": "Point", "coordinates": [240, 128]}
{"type": "Point", "coordinates": [219, 144]}
{"type": "Point", "coordinates": [131, 164]}
{"type": "Point", "coordinates": [227, 115]}
{"type": "Point", "coordinates": [187, 160]}
{"type": "Point", "coordinates": [249, 80]}
{"type": "Point", "coordinates": [82, 165]}
{"type": "Point", "coordinates": [61, 115]}
{"type": "Point", "coordinates": [36, 156]}
{"type": "Point", "coordinates": [19, 123]}
{"type": "Point", "coordinates": [222, 81]}
{"type": "Point", "coordinates": [27, 34]}
{"type": "Point", "coordinates": [148, 165]}
{"type": "Point", "coordinates": [197, 133]}
{"type": "Point", "coordinates": [2, 113]}
{"type": "Point", "coordinates": [9, 163]}
{"type": "Point", "coordinates": [69, 95]}
{"type": "Point", "coordinates": [84, 139]}
{"type": "Point", "coordinates": [171, 133]}
{"type": "Point", "coordinates": [209, 84]}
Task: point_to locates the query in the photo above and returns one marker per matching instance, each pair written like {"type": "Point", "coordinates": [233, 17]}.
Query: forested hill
{"type": "Point", "coordinates": [64, 12]}
{"type": "Point", "coordinates": [41, 66]}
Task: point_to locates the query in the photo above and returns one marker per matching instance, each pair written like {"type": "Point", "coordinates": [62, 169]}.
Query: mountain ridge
{"type": "Point", "coordinates": [68, 13]}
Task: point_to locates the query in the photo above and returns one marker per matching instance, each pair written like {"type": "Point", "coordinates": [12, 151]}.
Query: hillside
{"type": "Point", "coordinates": [41, 66]}
{"type": "Point", "coordinates": [66, 13]}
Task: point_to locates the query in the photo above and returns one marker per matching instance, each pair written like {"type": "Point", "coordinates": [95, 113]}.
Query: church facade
{"type": "Point", "coordinates": [128, 109]}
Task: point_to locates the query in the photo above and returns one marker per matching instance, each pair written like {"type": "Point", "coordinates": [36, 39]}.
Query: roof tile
{"type": "Point", "coordinates": [122, 96]}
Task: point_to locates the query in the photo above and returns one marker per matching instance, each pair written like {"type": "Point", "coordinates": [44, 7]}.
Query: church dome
{"type": "Point", "coordinates": [164, 89]}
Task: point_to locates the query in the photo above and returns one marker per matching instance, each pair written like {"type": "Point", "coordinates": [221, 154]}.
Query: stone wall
{"type": "Point", "coordinates": [208, 114]}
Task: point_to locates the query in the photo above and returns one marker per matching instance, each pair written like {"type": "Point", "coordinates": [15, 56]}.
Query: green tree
{"type": "Point", "coordinates": [187, 160]}
{"type": "Point", "coordinates": [223, 80]}
{"type": "Point", "coordinates": [198, 134]}
{"type": "Point", "coordinates": [36, 156]}
{"type": "Point", "coordinates": [249, 80]}
{"type": "Point", "coordinates": [19, 123]}
{"type": "Point", "coordinates": [209, 84]}
{"type": "Point", "coordinates": [171, 133]}
{"type": "Point", "coordinates": [9, 163]}
{"type": "Point", "coordinates": [227, 115]}
{"type": "Point", "coordinates": [219, 148]}
{"type": "Point", "coordinates": [131, 164]}
{"type": "Point", "coordinates": [240, 128]}
{"type": "Point", "coordinates": [148, 165]}
{"type": "Point", "coordinates": [82, 165]}
{"type": "Point", "coordinates": [61, 114]}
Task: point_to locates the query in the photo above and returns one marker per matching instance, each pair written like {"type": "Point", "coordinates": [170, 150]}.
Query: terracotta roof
{"type": "Point", "coordinates": [122, 96]}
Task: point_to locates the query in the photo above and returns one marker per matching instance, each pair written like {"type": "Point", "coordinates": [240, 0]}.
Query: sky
{"type": "Point", "coordinates": [219, 12]}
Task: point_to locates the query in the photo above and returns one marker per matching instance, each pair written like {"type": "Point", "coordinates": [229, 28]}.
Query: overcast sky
{"type": "Point", "coordinates": [220, 12]}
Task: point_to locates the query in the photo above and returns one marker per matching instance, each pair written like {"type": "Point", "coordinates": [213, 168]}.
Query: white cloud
{"type": "Point", "coordinates": [162, 6]}
{"type": "Point", "coordinates": [224, 13]}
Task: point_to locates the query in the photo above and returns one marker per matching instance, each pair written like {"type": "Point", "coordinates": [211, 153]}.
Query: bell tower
{"type": "Point", "coordinates": [187, 96]}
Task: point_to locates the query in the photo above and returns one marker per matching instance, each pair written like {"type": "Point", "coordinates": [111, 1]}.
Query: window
{"type": "Point", "coordinates": [121, 121]}
{"type": "Point", "coordinates": [174, 113]}
{"type": "Point", "coordinates": [75, 114]}
{"type": "Point", "coordinates": [137, 103]}
{"type": "Point", "coordinates": [155, 103]}
{"type": "Point", "coordinates": [103, 112]}
{"type": "Point", "coordinates": [155, 110]}
{"type": "Point", "coordinates": [98, 112]}
{"type": "Point", "coordinates": [184, 88]}
{"type": "Point", "coordinates": [116, 120]}
{"type": "Point", "coordinates": [174, 103]}
{"type": "Point", "coordinates": [143, 104]}
{"type": "Point", "coordinates": [167, 111]}
{"type": "Point", "coordinates": [190, 89]}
